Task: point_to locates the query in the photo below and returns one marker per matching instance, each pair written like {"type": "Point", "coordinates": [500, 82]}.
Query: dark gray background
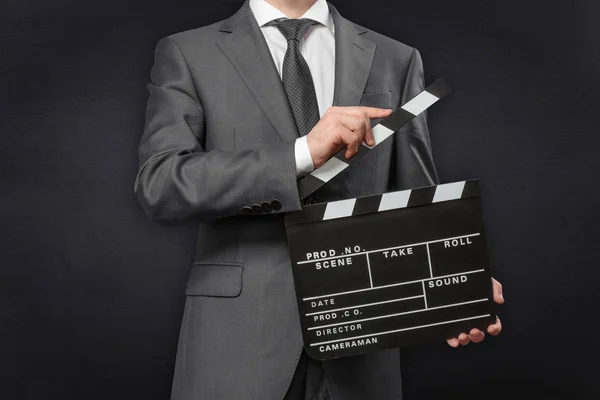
{"type": "Point", "coordinates": [92, 291]}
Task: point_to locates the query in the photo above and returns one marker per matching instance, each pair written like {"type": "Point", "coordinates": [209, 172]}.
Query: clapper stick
{"type": "Point", "coordinates": [381, 131]}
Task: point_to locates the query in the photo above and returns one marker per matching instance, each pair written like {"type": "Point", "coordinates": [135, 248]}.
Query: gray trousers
{"type": "Point", "coordinates": [308, 382]}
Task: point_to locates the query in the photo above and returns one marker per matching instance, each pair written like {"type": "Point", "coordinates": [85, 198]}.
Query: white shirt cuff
{"type": "Point", "coordinates": [304, 162]}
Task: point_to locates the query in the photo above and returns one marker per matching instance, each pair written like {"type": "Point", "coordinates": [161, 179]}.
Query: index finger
{"type": "Point", "coordinates": [372, 112]}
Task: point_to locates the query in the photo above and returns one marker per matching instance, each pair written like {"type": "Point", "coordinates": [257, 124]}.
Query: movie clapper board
{"type": "Point", "coordinates": [391, 269]}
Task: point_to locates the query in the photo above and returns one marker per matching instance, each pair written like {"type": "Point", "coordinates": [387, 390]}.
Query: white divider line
{"type": "Point", "coordinates": [391, 285]}
{"type": "Point", "coordinates": [398, 314]}
{"type": "Point", "coordinates": [424, 294]}
{"type": "Point", "coordinates": [364, 305]}
{"type": "Point", "coordinates": [402, 330]}
{"type": "Point", "coordinates": [429, 260]}
{"type": "Point", "coordinates": [389, 248]}
{"type": "Point", "coordinates": [369, 267]}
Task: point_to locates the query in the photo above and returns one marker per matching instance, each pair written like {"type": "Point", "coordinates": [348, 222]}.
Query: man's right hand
{"type": "Point", "coordinates": [342, 127]}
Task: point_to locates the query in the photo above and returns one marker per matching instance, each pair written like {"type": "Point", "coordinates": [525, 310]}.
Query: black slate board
{"type": "Point", "coordinates": [390, 270]}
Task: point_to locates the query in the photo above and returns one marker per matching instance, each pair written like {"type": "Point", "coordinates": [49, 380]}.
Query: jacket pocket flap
{"type": "Point", "coordinates": [377, 99]}
{"type": "Point", "coordinates": [220, 279]}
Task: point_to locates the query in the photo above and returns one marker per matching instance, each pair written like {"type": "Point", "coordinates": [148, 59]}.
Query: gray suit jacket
{"type": "Point", "coordinates": [219, 138]}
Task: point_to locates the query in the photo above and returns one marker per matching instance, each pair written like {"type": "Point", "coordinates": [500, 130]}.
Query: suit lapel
{"type": "Point", "coordinates": [244, 45]}
{"type": "Point", "coordinates": [353, 59]}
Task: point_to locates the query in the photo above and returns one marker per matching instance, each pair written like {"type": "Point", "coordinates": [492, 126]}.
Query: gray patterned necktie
{"type": "Point", "coordinates": [296, 77]}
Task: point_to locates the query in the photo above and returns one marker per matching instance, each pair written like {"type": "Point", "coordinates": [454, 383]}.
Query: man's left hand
{"type": "Point", "coordinates": [475, 335]}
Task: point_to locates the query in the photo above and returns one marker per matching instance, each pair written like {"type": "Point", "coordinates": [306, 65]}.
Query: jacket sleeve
{"type": "Point", "coordinates": [177, 178]}
{"type": "Point", "coordinates": [412, 164]}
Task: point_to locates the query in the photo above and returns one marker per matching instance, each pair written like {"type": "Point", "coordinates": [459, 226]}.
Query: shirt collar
{"type": "Point", "coordinates": [265, 12]}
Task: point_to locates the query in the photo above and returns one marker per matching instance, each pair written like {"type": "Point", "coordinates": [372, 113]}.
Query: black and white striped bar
{"type": "Point", "coordinates": [384, 202]}
{"type": "Point", "coordinates": [383, 130]}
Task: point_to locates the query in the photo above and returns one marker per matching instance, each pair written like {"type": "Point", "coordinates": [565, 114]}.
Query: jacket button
{"type": "Point", "coordinates": [266, 206]}
{"type": "Point", "coordinates": [256, 208]}
{"type": "Point", "coordinates": [246, 210]}
{"type": "Point", "coordinates": [276, 204]}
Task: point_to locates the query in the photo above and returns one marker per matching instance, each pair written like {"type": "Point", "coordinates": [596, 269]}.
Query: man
{"type": "Point", "coordinates": [238, 111]}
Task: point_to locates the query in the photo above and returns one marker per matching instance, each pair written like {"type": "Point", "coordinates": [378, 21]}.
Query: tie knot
{"type": "Point", "coordinates": [292, 28]}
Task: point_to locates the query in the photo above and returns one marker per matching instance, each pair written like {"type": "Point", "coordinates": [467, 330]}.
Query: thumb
{"type": "Point", "coordinates": [497, 287]}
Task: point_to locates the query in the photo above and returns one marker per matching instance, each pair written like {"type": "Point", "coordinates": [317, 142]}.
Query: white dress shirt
{"type": "Point", "coordinates": [317, 46]}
